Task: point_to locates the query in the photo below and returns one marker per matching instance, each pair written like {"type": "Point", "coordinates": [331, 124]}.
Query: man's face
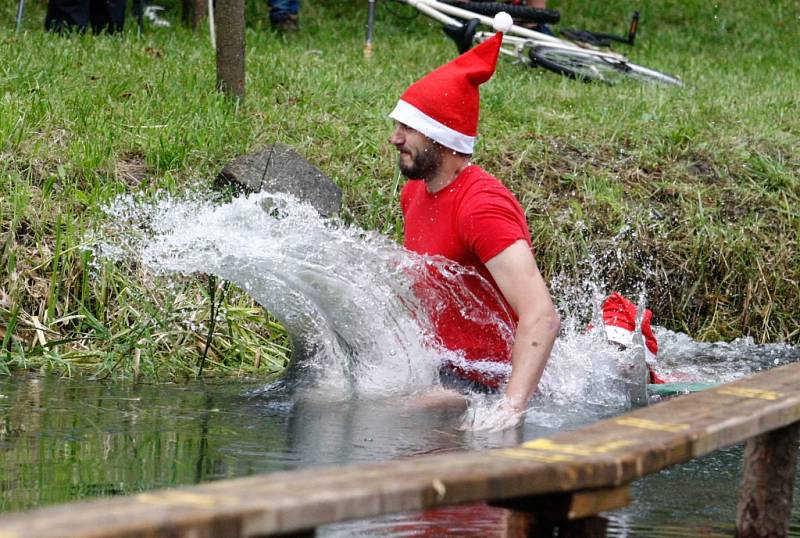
{"type": "Point", "coordinates": [420, 157]}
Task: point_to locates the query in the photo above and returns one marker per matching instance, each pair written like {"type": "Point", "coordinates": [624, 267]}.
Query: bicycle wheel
{"type": "Point", "coordinates": [590, 67]}
{"type": "Point", "coordinates": [518, 13]}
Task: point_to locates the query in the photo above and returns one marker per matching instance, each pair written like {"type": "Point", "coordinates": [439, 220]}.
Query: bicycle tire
{"type": "Point", "coordinates": [518, 13]}
{"type": "Point", "coordinates": [590, 67]}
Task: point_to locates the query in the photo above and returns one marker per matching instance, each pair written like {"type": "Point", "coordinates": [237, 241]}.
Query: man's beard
{"type": "Point", "coordinates": [424, 164]}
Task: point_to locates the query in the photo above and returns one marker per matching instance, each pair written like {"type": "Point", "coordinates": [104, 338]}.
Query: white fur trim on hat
{"type": "Point", "coordinates": [649, 357]}
{"type": "Point", "coordinates": [619, 335]}
{"type": "Point", "coordinates": [416, 119]}
{"type": "Point", "coordinates": [502, 22]}
{"type": "Point", "coordinates": [624, 337]}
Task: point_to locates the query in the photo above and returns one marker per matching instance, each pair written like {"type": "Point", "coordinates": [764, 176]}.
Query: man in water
{"type": "Point", "coordinates": [454, 209]}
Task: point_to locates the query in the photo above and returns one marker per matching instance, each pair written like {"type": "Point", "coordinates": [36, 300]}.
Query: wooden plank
{"type": "Point", "coordinates": [521, 525]}
{"type": "Point", "coordinates": [568, 514]}
{"type": "Point", "coordinates": [606, 454]}
{"type": "Point", "coordinates": [590, 503]}
{"type": "Point", "coordinates": [570, 506]}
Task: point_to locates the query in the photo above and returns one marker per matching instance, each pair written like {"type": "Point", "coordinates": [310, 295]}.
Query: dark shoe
{"type": "Point", "coordinates": [540, 27]}
{"type": "Point", "coordinates": [288, 24]}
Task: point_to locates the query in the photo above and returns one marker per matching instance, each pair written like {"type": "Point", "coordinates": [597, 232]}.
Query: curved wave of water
{"type": "Point", "coordinates": [348, 300]}
{"type": "Point", "coordinates": [346, 296]}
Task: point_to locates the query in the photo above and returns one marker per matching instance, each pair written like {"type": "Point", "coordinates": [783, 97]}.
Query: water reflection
{"type": "Point", "coordinates": [67, 439]}
{"type": "Point", "coordinates": [62, 440]}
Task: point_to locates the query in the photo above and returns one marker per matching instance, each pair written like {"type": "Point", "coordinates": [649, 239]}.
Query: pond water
{"type": "Point", "coordinates": [68, 439]}
{"type": "Point", "coordinates": [361, 333]}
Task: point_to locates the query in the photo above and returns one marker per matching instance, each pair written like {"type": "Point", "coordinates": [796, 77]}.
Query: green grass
{"type": "Point", "coordinates": [705, 178]}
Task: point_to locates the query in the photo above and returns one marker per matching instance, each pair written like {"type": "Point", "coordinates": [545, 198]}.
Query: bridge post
{"type": "Point", "coordinates": [767, 487]}
{"type": "Point", "coordinates": [527, 525]}
{"type": "Point", "coordinates": [572, 515]}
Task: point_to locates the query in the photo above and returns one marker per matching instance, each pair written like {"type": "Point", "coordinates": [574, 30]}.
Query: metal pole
{"type": "Point", "coordinates": [211, 28]}
{"type": "Point", "coordinates": [20, 12]}
{"type": "Point", "coordinates": [370, 23]}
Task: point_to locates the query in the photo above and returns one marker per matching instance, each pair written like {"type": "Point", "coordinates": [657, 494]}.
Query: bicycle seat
{"type": "Point", "coordinates": [462, 35]}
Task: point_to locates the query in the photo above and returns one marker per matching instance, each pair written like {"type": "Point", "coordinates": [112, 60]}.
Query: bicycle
{"type": "Point", "coordinates": [585, 61]}
{"type": "Point", "coordinates": [518, 11]}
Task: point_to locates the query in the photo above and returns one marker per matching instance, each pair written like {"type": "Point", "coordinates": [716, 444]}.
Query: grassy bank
{"type": "Point", "coordinates": [693, 191]}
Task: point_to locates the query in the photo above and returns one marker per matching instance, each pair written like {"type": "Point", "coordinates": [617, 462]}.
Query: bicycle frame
{"type": "Point", "coordinates": [535, 48]}
{"type": "Point", "coordinates": [520, 44]}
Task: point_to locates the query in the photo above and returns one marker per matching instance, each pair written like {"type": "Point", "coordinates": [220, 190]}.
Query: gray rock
{"type": "Point", "coordinates": [278, 168]}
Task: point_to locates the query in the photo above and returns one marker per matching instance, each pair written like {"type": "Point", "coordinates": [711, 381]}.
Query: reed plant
{"type": "Point", "coordinates": [691, 193]}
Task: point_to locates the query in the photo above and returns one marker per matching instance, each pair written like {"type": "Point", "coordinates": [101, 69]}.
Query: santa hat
{"type": "Point", "coordinates": [444, 104]}
{"type": "Point", "coordinates": [619, 320]}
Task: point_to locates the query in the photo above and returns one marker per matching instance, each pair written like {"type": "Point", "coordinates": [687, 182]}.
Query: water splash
{"type": "Point", "coordinates": [349, 298]}
{"type": "Point", "coordinates": [683, 359]}
{"type": "Point", "coordinates": [350, 301]}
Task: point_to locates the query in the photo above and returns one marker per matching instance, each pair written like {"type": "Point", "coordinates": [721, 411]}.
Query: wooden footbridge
{"type": "Point", "coordinates": [550, 485]}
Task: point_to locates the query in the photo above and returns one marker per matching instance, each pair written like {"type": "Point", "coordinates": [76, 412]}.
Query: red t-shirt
{"type": "Point", "coordinates": [470, 221]}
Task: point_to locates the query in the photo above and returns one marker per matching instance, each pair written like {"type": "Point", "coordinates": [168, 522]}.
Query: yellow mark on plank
{"type": "Point", "coordinates": [185, 498]}
{"type": "Point", "coordinates": [526, 454]}
{"type": "Point", "coordinates": [749, 393]}
{"type": "Point", "coordinates": [4, 534]}
{"type": "Point", "coordinates": [576, 450]}
{"type": "Point", "coordinates": [373, 473]}
{"type": "Point", "coordinates": [647, 424]}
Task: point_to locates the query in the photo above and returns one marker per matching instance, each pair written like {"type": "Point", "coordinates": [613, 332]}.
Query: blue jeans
{"type": "Point", "coordinates": [281, 9]}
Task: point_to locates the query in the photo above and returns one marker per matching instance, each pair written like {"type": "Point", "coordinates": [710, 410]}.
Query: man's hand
{"type": "Point", "coordinates": [500, 415]}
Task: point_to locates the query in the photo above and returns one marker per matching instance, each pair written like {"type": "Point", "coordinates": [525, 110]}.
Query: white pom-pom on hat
{"type": "Point", "coordinates": [502, 22]}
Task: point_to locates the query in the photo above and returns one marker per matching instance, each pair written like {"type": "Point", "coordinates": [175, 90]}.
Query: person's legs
{"type": "Point", "coordinates": [107, 15]}
{"type": "Point", "coordinates": [282, 12]}
{"type": "Point", "coordinates": [67, 15]}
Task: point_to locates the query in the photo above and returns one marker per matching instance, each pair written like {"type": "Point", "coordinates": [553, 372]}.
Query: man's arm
{"type": "Point", "coordinates": [516, 274]}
